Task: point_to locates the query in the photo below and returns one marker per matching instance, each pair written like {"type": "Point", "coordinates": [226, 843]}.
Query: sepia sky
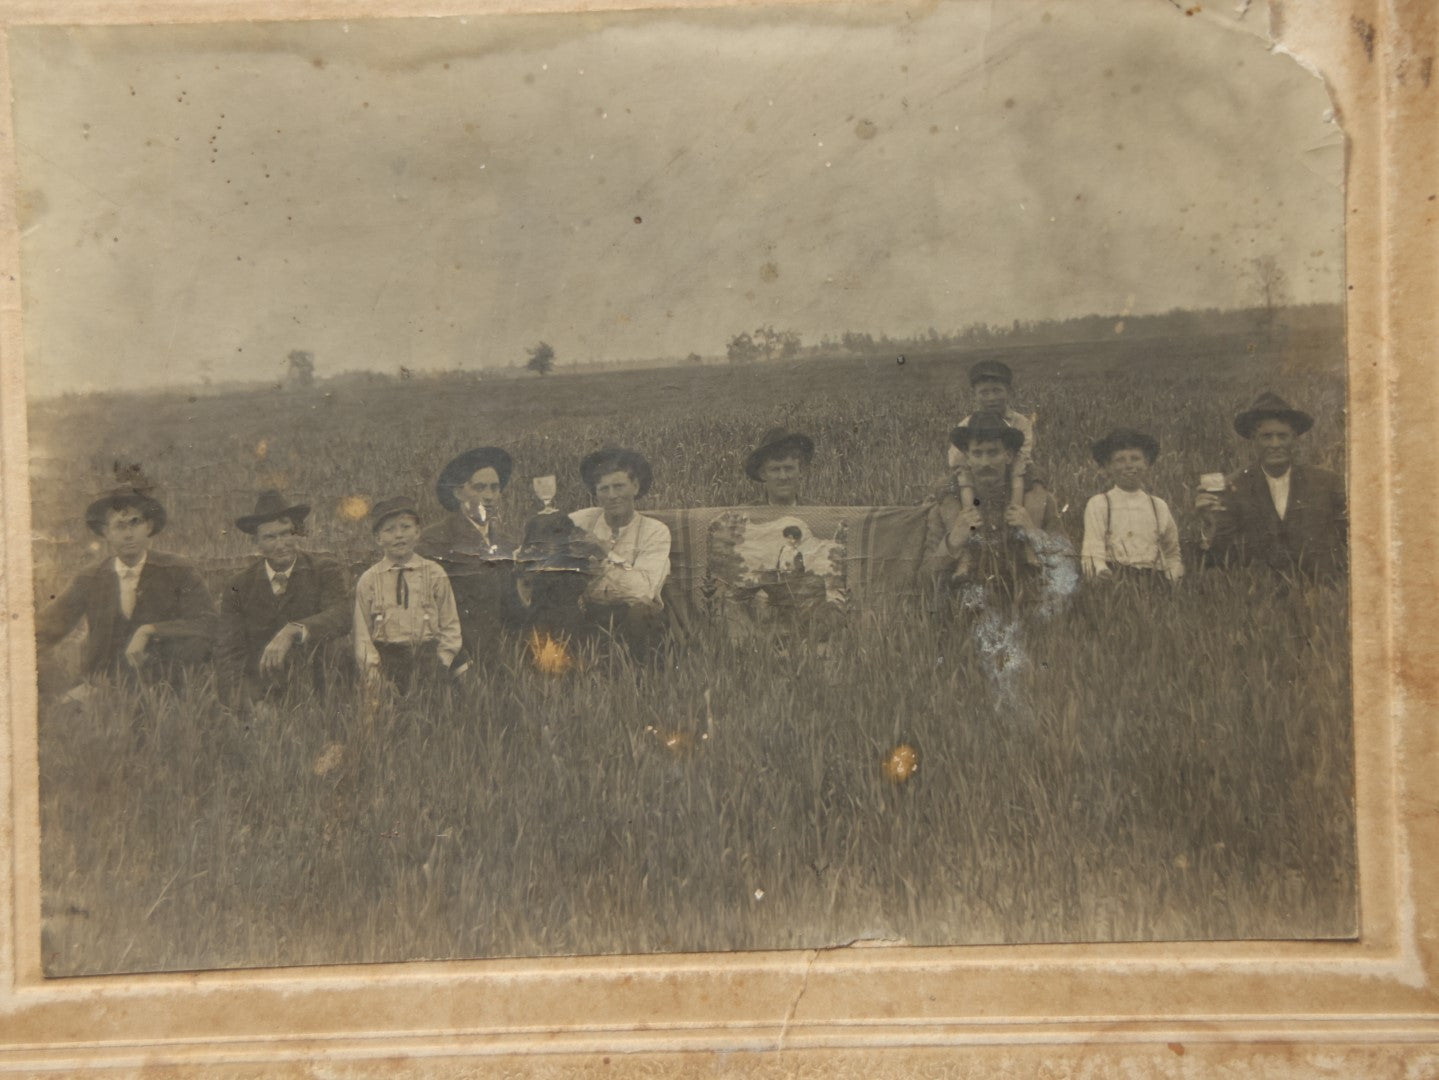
{"type": "Point", "coordinates": [198, 201]}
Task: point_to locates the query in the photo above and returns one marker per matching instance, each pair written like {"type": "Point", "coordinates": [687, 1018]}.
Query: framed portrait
{"type": "Point", "coordinates": [749, 538]}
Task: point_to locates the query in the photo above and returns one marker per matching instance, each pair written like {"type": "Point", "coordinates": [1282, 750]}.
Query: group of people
{"type": "Point", "coordinates": [439, 597]}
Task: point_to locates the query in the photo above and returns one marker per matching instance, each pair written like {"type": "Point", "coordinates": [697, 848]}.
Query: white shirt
{"type": "Point", "coordinates": [1279, 491]}
{"type": "Point", "coordinates": [129, 584]}
{"type": "Point", "coordinates": [638, 560]}
{"type": "Point", "coordinates": [427, 614]}
{"type": "Point", "coordinates": [270, 573]}
{"type": "Point", "coordinates": [1130, 528]}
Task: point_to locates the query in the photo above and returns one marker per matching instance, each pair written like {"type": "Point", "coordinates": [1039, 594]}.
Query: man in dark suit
{"type": "Point", "coordinates": [475, 548]}
{"type": "Point", "coordinates": [276, 615]}
{"type": "Point", "coordinates": [1287, 516]}
{"type": "Point", "coordinates": [146, 613]}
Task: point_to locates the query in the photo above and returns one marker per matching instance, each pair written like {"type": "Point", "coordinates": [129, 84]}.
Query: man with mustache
{"type": "Point", "coordinates": [278, 614]}
{"type": "Point", "coordinates": [1278, 513]}
{"type": "Point", "coordinates": [1004, 548]}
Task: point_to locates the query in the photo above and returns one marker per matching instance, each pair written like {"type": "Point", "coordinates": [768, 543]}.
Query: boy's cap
{"type": "Point", "coordinates": [388, 508]}
{"type": "Point", "coordinates": [987, 427]}
{"type": "Point", "coordinates": [1125, 439]}
{"type": "Point", "coordinates": [991, 371]}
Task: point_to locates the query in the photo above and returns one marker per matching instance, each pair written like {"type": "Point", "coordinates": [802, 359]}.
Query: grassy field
{"type": "Point", "coordinates": [1164, 767]}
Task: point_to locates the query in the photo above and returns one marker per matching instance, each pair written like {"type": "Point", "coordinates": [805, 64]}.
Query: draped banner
{"type": "Point", "coordinates": [859, 553]}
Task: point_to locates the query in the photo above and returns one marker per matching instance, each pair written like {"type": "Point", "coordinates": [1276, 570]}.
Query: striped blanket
{"type": "Point", "coordinates": [862, 553]}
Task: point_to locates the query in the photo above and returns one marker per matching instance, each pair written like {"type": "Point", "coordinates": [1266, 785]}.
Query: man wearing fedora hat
{"type": "Point", "coordinates": [624, 597]}
{"type": "Point", "coordinates": [992, 541]}
{"type": "Point", "coordinates": [1277, 512]}
{"type": "Point", "coordinates": [474, 546]}
{"type": "Point", "coordinates": [286, 604]}
{"type": "Point", "coordinates": [778, 465]}
{"type": "Point", "coordinates": [145, 611]}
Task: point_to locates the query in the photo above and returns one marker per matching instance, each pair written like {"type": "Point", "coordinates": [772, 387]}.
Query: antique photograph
{"type": "Point", "coordinates": [684, 482]}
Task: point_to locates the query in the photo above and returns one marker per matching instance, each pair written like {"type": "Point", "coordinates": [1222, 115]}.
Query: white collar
{"type": "Point", "coordinates": [270, 571]}
{"type": "Point", "coordinates": [412, 563]}
{"type": "Point", "coordinates": [633, 523]}
{"type": "Point", "coordinates": [121, 569]}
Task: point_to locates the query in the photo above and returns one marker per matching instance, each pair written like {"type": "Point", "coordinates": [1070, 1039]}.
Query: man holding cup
{"type": "Point", "coordinates": [1278, 513]}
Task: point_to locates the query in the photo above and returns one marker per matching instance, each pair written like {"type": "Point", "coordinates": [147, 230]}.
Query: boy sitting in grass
{"type": "Point", "coordinates": [1127, 531]}
{"type": "Point", "coordinates": [407, 627]}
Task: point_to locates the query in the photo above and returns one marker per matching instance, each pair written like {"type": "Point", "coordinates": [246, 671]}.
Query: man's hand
{"type": "Point", "coordinates": [1018, 517]}
{"type": "Point", "coordinates": [1208, 502]}
{"type": "Point", "coordinates": [139, 642]}
{"type": "Point", "coordinates": [964, 526]}
{"type": "Point", "coordinates": [273, 658]}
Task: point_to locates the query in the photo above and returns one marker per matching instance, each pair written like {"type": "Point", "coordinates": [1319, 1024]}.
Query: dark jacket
{"type": "Point", "coordinates": [317, 597]}
{"type": "Point", "coordinates": [171, 596]}
{"type": "Point", "coordinates": [1313, 538]}
{"type": "Point", "coordinates": [483, 581]}
{"type": "Point", "coordinates": [995, 555]}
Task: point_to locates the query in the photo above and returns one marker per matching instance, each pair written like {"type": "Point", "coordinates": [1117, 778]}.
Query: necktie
{"type": "Point", "coordinates": [280, 582]}
{"type": "Point", "coordinates": [129, 588]}
{"type": "Point", "coordinates": [402, 588]}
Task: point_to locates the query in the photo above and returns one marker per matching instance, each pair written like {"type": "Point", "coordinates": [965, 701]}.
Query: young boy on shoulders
{"type": "Point", "coordinates": [992, 382]}
{"type": "Point", "coordinates": [407, 627]}
{"type": "Point", "coordinates": [1127, 531]}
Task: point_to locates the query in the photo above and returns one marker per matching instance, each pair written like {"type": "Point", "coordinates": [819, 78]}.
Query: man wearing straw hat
{"type": "Point", "coordinates": [474, 546]}
{"type": "Point", "coordinates": [1278, 513]}
{"type": "Point", "coordinates": [145, 612]}
{"type": "Point", "coordinates": [276, 615]}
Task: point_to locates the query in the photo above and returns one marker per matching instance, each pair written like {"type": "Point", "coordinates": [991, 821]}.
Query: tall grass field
{"type": "Point", "coordinates": [1173, 765]}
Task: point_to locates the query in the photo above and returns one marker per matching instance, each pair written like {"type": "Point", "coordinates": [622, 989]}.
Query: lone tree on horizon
{"type": "Point", "coordinates": [302, 368]}
{"type": "Point", "coordinates": [542, 359]}
{"type": "Point", "coordinates": [1273, 288]}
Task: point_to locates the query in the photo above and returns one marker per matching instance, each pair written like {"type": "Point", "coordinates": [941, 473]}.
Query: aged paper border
{"type": "Point", "coordinates": [1367, 1008]}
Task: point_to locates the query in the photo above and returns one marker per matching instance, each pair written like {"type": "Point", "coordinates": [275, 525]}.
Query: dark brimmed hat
{"type": "Point", "coordinates": [385, 509]}
{"type": "Point", "coordinates": [122, 498]}
{"type": "Point", "coordinates": [465, 466]}
{"type": "Point", "coordinates": [986, 427]}
{"type": "Point", "coordinates": [272, 506]}
{"type": "Point", "coordinates": [991, 371]}
{"type": "Point", "coordinates": [611, 459]}
{"type": "Point", "coordinates": [778, 443]}
{"type": "Point", "coordinates": [1125, 439]}
{"type": "Point", "coordinates": [1269, 406]}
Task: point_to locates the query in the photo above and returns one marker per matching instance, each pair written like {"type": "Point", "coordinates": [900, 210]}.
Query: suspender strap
{"type": "Point", "coordinates": [1108, 531]}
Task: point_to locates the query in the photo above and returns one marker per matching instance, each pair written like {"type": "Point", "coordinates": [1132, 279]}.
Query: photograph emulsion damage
{"type": "Point", "coordinates": [519, 486]}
